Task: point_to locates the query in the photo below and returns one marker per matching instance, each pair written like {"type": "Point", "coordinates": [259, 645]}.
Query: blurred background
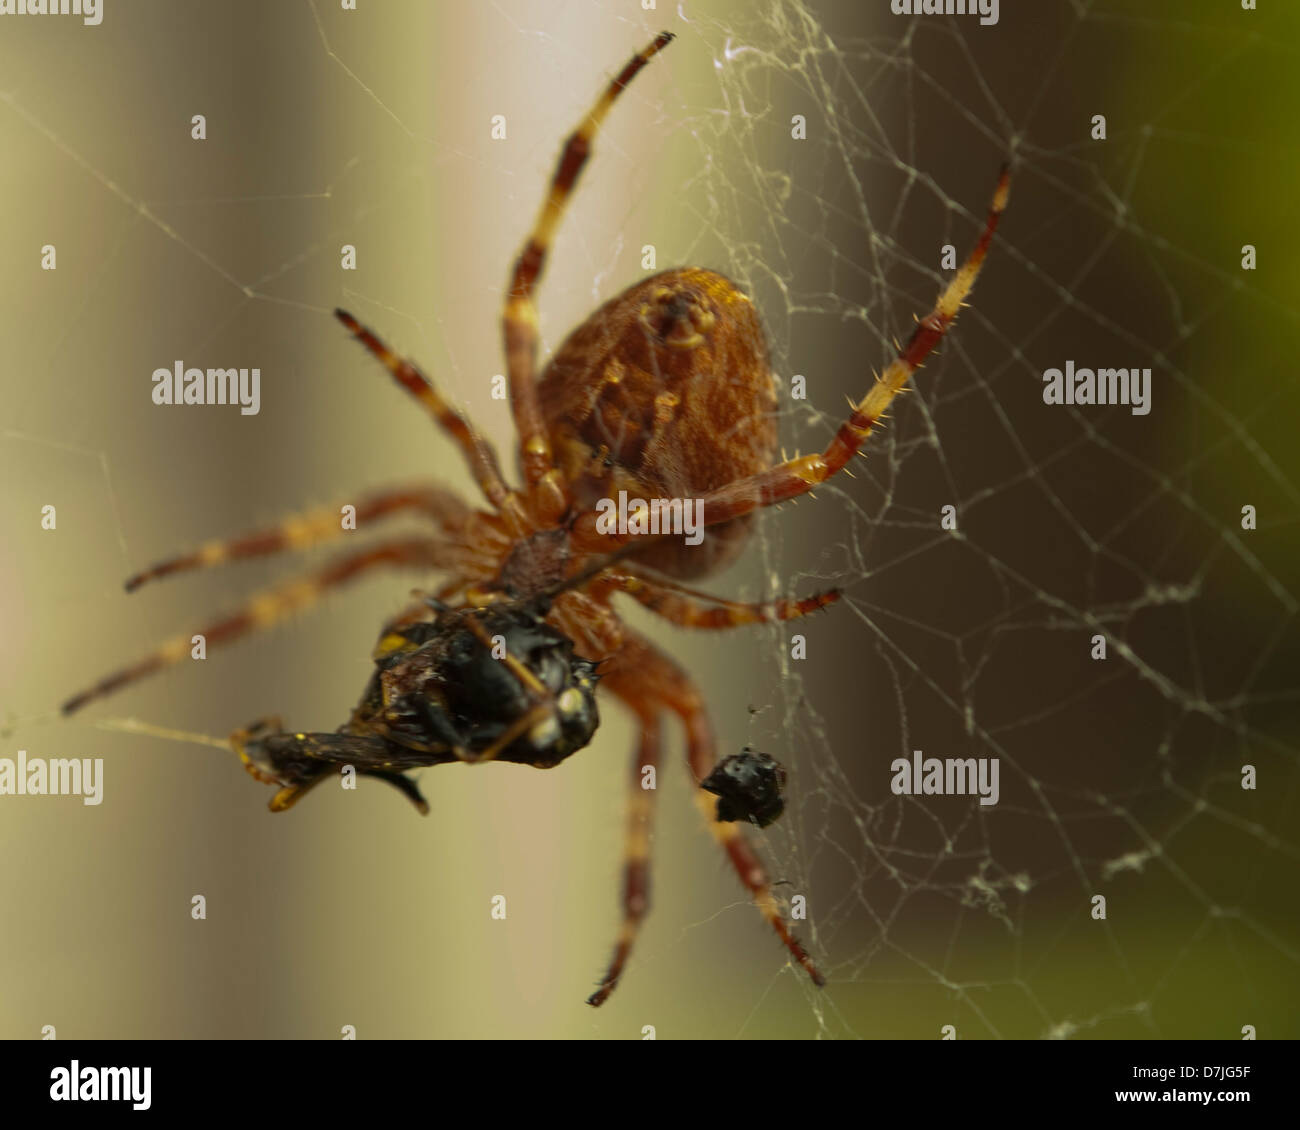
{"type": "Point", "coordinates": [325, 127]}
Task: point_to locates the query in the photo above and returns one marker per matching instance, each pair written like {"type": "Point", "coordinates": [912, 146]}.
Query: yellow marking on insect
{"type": "Point", "coordinates": [536, 445]}
{"type": "Point", "coordinates": [524, 724]}
{"type": "Point", "coordinates": [389, 644]}
{"type": "Point", "coordinates": [546, 731]}
{"type": "Point", "coordinates": [286, 798]}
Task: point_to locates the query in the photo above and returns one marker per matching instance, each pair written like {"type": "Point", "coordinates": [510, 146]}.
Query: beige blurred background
{"type": "Point", "coordinates": [371, 128]}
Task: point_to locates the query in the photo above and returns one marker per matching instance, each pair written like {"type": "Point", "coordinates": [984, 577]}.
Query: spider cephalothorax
{"type": "Point", "coordinates": [663, 393]}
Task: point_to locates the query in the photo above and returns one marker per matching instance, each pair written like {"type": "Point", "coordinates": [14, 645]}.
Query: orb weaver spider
{"type": "Point", "coordinates": [664, 391]}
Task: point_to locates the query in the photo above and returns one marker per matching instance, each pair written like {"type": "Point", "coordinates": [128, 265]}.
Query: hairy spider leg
{"type": "Point", "coordinates": [690, 608]}
{"type": "Point", "coordinates": [479, 454]}
{"type": "Point", "coordinates": [636, 851]}
{"type": "Point", "coordinates": [647, 680]}
{"type": "Point", "coordinates": [301, 531]}
{"type": "Point", "coordinates": [798, 476]}
{"type": "Point", "coordinates": [273, 605]}
{"type": "Point", "coordinates": [519, 318]}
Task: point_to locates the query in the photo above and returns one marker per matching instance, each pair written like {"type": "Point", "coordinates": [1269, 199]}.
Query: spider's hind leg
{"type": "Point", "coordinates": [689, 608]}
{"type": "Point", "coordinates": [636, 855]}
{"type": "Point", "coordinates": [647, 679]}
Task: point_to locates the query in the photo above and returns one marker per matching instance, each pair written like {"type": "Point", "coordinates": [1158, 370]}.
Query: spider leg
{"type": "Point", "coordinates": [799, 475]}
{"type": "Point", "coordinates": [273, 605]}
{"type": "Point", "coordinates": [299, 531]}
{"type": "Point", "coordinates": [519, 319]}
{"type": "Point", "coordinates": [636, 854]}
{"type": "Point", "coordinates": [647, 678]}
{"type": "Point", "coordinates": [686, 607]}
{"type": "Point", "coordinates": [478, 452]}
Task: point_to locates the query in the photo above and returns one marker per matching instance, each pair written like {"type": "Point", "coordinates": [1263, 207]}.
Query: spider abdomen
{"type": "Point", "coordinates": [665, 392]}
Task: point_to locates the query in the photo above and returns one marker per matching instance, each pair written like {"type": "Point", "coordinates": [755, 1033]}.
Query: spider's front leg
{"type": "Point", "coordinates": [271, 606]}
{"type": "Point", "coordinates": [797, 476]}
{"type": "Point", "coordinates": [519, 318]}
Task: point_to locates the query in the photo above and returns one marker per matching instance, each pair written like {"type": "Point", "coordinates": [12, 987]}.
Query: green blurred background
{"type": "Point", "coordinates": [328, 127]}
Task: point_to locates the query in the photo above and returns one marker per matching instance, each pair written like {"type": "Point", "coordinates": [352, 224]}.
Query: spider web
{"type": "Point", "coordinates": [1120, 777]}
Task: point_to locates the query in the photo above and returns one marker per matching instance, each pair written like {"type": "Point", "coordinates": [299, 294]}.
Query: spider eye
{"type": "Point", "coordinates": [748, 786]}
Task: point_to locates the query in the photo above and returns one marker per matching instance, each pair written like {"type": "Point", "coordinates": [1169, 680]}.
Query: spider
{"type": "Point", "coordinates": [665, 392]}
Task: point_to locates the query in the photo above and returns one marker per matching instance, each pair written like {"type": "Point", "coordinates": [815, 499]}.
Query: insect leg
{"type": "Point", "coordinates": [298, 762]}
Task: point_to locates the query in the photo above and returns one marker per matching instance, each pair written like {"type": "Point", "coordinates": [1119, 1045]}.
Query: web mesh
{"type": "Point", "coordinates": [1122, 776]}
